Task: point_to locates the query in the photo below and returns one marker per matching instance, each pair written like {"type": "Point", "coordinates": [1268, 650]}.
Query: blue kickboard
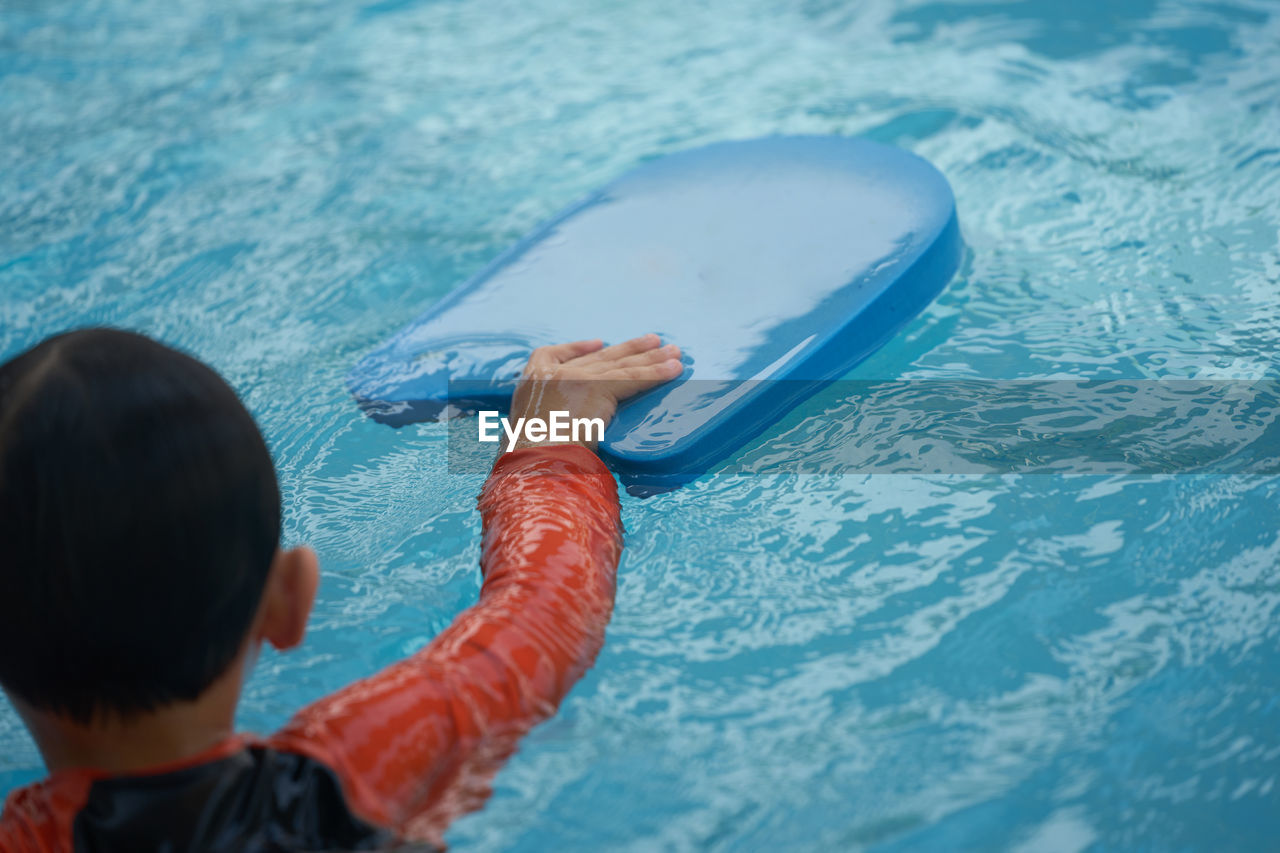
{"type": "Point", "coordinates": [785, 258]}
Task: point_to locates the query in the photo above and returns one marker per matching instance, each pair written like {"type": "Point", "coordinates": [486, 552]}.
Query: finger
{"type": "Point", "coordinates": [653, 356]}
{"type": "Point", "coordinates": [628, 381]}
{"type": "Point", "coordinates": [546, 357]}
{"type": "Point", "coordinates": [644, 343]}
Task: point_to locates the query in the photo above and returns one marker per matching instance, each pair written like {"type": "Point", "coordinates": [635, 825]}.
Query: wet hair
{"type": "Point", "coordinates": [139, 515]}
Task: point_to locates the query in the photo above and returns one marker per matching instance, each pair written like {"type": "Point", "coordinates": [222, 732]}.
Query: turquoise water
{"type": "Point", "coordinates": [797, 661]}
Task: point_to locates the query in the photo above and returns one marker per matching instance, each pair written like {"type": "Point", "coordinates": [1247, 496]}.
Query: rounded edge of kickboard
{"type": "Point", "coordinates": [728, 430]}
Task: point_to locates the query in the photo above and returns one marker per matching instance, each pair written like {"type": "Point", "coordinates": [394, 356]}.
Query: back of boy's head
{"type": "Point", "coordinates": [139, 515]}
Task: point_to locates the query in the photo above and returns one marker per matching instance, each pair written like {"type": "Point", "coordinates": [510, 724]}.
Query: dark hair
{"type": "Point", "coordinates": [139, 514]}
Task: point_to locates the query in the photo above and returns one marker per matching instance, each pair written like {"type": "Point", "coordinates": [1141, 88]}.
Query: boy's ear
{"type": "Point", "coordinates": [289, 594]}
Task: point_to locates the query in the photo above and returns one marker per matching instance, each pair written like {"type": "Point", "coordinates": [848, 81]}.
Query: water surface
{"type": "Point", "coordinates": [797, 661]}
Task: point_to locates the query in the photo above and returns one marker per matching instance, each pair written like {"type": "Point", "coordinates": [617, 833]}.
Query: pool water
{"type": "Point", "coordinates": [797, 661]}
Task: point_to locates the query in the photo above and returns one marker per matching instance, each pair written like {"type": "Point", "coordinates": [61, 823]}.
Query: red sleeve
{"type": "Point", "coordinates": [417, 744]}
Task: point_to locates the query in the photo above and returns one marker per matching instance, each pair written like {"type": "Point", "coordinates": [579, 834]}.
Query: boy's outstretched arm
{"type": "Point", "coordinates": [417, 744]}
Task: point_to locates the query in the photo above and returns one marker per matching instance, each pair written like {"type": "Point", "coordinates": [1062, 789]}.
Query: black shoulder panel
{"type": "Point", "coordinates": [255, 801]}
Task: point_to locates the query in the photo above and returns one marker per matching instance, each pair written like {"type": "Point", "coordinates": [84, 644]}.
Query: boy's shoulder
{"type": "Point", "coordinates": [243, 796]}
{"type": "Point", "coordinates": [39, 816]}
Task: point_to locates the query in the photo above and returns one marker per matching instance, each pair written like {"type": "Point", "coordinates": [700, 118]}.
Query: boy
{"type": "Point", "coordinates": [140, 572]}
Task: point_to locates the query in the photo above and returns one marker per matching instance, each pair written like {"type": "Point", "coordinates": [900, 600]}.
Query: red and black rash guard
{"type": "Point", "coordinates": [389, 761]}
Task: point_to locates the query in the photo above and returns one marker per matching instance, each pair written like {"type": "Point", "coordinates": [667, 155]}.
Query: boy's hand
{"type": "Point", "coordinates": [588, 380]}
